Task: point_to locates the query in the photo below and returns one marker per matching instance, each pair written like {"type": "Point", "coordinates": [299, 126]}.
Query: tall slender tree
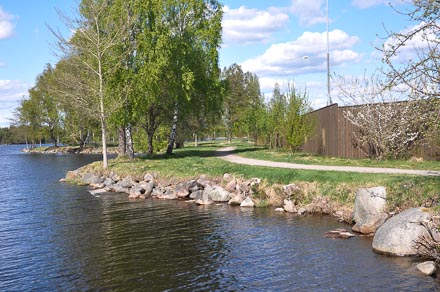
{"type": "Point", "coordinates": [89, 51]}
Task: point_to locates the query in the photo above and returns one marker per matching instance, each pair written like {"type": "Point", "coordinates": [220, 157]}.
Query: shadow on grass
{"type": "Point", "coordinates": [204, 151]}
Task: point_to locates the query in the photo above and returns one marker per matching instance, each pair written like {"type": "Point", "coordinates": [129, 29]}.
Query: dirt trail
{"type": "Point", "coordinates": [225, 153]}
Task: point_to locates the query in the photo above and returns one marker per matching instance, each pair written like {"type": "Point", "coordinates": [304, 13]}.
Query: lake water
{"type": "Point", "coordinates": [58, 237]}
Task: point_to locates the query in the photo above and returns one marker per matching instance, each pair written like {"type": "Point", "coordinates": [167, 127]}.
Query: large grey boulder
{"type": "Point", "coordinates": [108, 182]}
{"type": "Point", "coordinates": [182, 190]}
{"type": "Point", "coordinates": [202, 198]}
{"type": "Point", "coordinates": [217, 194]}
{"type": "Point", "coordinates": [91, 178]}
{"type": "Point", "coordinates": [126, 182]}
{"type": "Point", "coordinates": [398, 235]}
{"type": "Point", "coordinates": [185, 188]}
{"type": "Point", "coordinates": [142, 188]}
{"type": "Point", "coordinates": [369, 209]}
{"type": "Point", "coordinates": [168, 194]}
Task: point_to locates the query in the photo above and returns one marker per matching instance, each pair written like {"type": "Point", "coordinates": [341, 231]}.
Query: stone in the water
{"type": "Point", "coordinates": [339, 233]}
{"type": "Point", "coordinates": [427, 268]}
{"type": "Point", "coordinates": [182, 190]}
{"type": "Point", "coordinates": [236, 199]}
{"type": "Point", "coordinates": [398, 235]}
{"type": "Point", "coordinates": [247, 203]}
{"type": "Point", "coordinates": [369, 209]}
{"type": "Point", "coordinates": [97, 192]}
{"type": "Point", "coordinates": [168, 194]}
{"type": "Point", "coordinates": [279, 210]}
{"type": "Point", "coordinates": [218, 194]}
{"type": "Point", "coordinates": [203, 198]}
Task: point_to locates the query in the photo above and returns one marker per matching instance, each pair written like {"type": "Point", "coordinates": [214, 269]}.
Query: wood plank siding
{"type": "Point", "coordinates": [334, 136]}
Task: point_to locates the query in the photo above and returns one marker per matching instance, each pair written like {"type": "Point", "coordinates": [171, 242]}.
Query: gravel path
{"type": "Point", "coordinates": [226, 154]}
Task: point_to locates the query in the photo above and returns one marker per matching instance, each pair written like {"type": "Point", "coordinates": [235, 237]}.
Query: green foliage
{"type": "Point", "coordinates": [298, 124]}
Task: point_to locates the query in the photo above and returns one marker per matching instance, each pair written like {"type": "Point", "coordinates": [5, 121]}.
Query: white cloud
{"type": "Point", "coordinates": [6, 26]}
{"type": "Point", "coordinates": [12, 90]}
{"type": "Point", "coordinates": [246, 25]}
{"type": "Point", "coordinates": [309, 12]}
{"type": "Point", "coordinates": [307, 54]}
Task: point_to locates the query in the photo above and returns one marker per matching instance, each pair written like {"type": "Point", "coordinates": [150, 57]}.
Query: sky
{"type": "Point", "coordinates": [281, 41]}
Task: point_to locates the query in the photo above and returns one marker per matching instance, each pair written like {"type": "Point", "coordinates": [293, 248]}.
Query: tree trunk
{"type": "Point", "coordinates": [53, 137]}
{"type": "Point", "coordinates": [150, 149]}
{"type": "Point", "coordinates": [104, 143]}
{"type": "Point", "coordinates": [129, 142]}
{"type": "Point", "coordinates": [172, 139]}
{"type": "Point", "coordinates": [122, 142]}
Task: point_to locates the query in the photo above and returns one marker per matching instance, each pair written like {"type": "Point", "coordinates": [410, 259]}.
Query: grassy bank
{"type": "Point", "coordinates": [189, 162]}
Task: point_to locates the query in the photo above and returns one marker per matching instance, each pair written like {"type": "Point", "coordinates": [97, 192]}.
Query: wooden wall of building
{"type": "Point", "coordinates": [334, 136]}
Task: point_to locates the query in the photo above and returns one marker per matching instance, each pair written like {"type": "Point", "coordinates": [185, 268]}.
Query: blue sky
{"type": "Point", "coordinates": [280, 41]}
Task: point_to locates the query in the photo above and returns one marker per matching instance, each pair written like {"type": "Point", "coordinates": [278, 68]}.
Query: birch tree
{"type": "Point", "coordinates": [195, 30]}
{"type": "Point", "coordinates": [89, 53]}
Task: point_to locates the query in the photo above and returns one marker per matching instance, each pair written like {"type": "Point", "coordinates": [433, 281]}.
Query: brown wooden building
{"type": "Point", "coordinates": [334, 136]}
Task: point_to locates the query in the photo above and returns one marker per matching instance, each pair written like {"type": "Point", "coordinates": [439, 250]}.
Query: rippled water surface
{"type": "Point", "coordinates": [57, 237]}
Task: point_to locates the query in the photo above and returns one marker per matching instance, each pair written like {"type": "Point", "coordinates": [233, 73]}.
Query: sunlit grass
{"type": "Point", "coordinates": [190, 162]}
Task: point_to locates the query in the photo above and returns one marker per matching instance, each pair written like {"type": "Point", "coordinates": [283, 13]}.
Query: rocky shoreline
{"type": "Point", "coordinates": [412, 232]}
{"type": "Point", "coordinates": [68, 150]}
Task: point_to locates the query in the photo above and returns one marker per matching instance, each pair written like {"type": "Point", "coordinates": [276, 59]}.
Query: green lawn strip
{"type": "Point", "coordinates": [403, 191]}
{"type": "Point", "coordinates": [304, 158]}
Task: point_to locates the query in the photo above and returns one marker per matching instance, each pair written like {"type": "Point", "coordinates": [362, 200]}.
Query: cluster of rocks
{"type": "Point", "coordinates": [394, 234]}
{"type": "Point", "coordinates": [68, 150]}
{"type": "Point", "coordinates": [201, 191]}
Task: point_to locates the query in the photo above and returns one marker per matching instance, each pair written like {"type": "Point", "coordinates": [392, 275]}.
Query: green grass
{"type": "Point", "coordinates": [190, 162]}
{"type": "Point", "coordinates": [305, 158]}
